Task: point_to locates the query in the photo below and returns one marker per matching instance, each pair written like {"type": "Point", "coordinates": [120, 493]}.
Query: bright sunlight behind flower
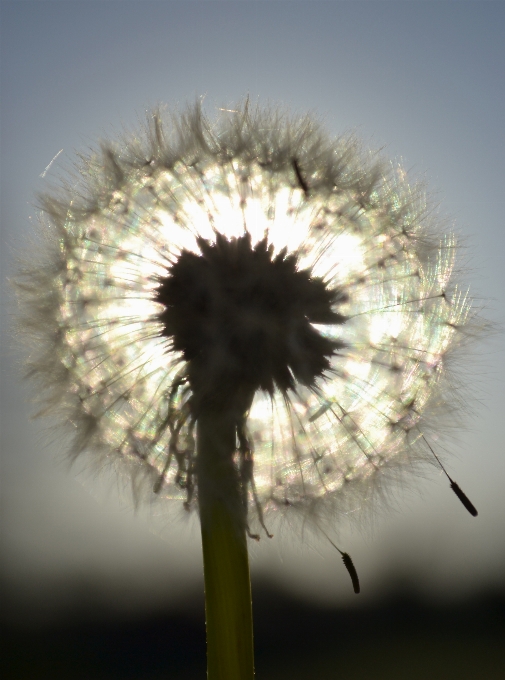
{"type": "Point", "coordinates": [252, 265]}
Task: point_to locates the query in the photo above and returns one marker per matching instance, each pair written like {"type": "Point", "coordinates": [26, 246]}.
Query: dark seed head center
{"type": "Point", "coordinates": [243, 319]}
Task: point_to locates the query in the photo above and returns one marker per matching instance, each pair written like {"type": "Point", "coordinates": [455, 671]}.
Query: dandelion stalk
{"type": "Point", "coordinates": [225, 556]}
{"type": "Point", "coordinates": [250, 316]}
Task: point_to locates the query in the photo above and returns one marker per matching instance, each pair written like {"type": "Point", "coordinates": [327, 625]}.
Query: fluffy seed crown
{"type": "Point", "coordinates": [252, 259]}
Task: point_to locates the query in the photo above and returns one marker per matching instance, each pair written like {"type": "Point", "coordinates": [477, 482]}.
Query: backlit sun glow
{"type": "Point", "coordinates": [362, 417]}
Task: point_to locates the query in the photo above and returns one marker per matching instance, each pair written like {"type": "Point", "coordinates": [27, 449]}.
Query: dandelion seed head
{"type": "Point", "coordinates": [254, 263]}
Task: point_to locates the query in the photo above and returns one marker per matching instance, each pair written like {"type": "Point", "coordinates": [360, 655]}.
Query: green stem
{"type": "Point", "coordinates": [228, 605]}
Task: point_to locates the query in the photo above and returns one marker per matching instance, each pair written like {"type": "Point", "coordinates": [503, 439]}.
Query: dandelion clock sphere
{"type": "Point", "coordinates": [253, 317]}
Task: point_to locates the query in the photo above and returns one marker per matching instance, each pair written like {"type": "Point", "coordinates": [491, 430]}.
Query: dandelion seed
{"type": "Point", "coordinates": [254, 272]}
{"type": "Point", "coordinates": [466, 502]}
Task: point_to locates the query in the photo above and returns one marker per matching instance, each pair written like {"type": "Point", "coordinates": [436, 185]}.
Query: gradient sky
{"type": "Point", "coordinates": [425, 80]}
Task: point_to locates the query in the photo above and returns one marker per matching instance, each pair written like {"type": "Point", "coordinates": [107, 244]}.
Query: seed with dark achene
{"type": "Point", "coordinates": [242, 318]}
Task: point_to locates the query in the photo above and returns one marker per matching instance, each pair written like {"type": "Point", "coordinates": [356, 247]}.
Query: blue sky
{"type": "Point", "coordinates": [424, 80]}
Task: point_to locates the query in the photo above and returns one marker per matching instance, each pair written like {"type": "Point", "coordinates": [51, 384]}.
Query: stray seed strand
{"type": "Point", "coordinates": [455, 487]}
{"type": "Point", "coordinates": [348, 563]}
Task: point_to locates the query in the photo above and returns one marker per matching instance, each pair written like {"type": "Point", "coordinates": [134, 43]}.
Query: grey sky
{"type": "Point", "coordinates": [423, 79]}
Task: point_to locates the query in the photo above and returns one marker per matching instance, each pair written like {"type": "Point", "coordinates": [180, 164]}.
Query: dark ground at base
{"type": "Point", "coordinates": [402, 638]}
